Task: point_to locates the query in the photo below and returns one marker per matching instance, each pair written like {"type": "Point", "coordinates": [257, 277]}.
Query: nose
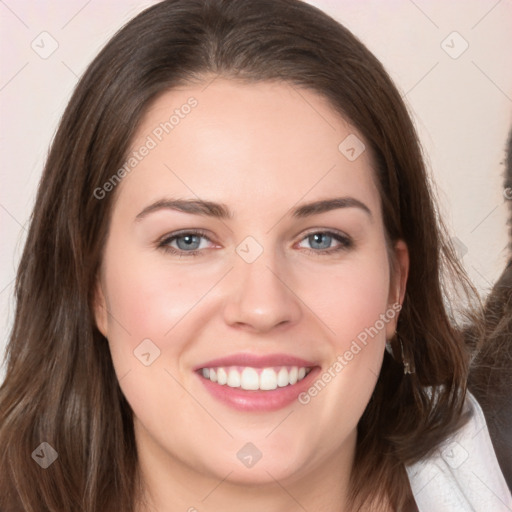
{"type": "Point", "coordinates": [260, 296]}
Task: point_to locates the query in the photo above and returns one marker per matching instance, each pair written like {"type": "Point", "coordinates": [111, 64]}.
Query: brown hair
{"type": "Point", "coordinates": [60, 385]}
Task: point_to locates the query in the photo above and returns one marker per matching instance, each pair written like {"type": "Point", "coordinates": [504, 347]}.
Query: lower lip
{"type": "Point", "coordinates": [245, 400]}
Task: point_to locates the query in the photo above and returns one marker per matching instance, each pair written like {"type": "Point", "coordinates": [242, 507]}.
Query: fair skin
{"type": "Point", "coordinates": [262, 150]}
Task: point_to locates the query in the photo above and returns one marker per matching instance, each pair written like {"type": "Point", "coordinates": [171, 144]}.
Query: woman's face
{"type": "Point", "coordinates": [245, 288]}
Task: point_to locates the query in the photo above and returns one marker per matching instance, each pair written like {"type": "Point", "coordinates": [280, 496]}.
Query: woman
{"type": "Point", "coordinates": [233, 224]}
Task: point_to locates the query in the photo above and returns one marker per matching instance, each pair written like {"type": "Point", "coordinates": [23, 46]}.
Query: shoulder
{"type": "Point", "coordinates": [463, 473]}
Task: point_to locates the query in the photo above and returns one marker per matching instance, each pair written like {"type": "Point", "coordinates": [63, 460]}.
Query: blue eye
{"type": "Point", "coordinates": [186, 242]}
{"type": "Point", "coordinates": [321, 242]}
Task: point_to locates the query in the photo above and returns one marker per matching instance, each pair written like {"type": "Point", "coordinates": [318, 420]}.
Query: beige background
{"type": "Point", "coordinates": [462, 106]}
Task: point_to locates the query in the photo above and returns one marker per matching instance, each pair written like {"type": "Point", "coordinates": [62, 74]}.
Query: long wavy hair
{"type": "Point", "coordinates": [60, 385]}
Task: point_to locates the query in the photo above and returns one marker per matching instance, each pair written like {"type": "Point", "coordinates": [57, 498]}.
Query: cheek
{"type": "Point", "coordinates": [148, 301]}
{"type": "Point", "coordinates": [353, 304]}
{"type": "Point", "coordinates": [150, 306]}
{"type": "Point", "coordinates": [351, 297]}
{"type": "Point", "coordinates": [147, 297]}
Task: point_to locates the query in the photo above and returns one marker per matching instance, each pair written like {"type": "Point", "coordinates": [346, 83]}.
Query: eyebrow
{"type": "Point", "coordinates": [221, 211]}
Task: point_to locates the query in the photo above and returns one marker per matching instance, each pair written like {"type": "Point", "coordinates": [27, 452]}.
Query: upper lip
{"type": "Point", "coordinates": [256, 361]}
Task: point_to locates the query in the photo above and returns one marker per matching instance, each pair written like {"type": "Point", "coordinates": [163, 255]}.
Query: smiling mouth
{"type": "Point", "coordinates": [255, 379]}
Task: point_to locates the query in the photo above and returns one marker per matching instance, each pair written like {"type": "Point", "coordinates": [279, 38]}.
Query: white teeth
{"type": "Point", "coordinates": [268, 379]}
{"type": "Point", "coordinates": [294, 374]}
{"type": "Point", "coordinates": [233, 378]}
{"type": "Point", "coordinates": [253, 379]}
{"type": "Point", "coordinates": [250, 379]}
{"type": "Point", "coordinates": [283, 378]}
{"type": "Point", "coordinates": [222, 376]}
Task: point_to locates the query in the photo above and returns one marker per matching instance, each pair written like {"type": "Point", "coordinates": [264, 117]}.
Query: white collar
{"type": "Point", "coordinates": [463, 474]}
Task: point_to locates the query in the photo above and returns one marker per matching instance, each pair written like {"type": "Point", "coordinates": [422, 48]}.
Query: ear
{"type": "Point", "coordinates": [100, 309]}
{"type": "Point", "coordinates": [398, 283]}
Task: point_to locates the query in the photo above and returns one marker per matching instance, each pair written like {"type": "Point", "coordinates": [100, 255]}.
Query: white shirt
{"type": "Point", "coordinates": [463, 475]}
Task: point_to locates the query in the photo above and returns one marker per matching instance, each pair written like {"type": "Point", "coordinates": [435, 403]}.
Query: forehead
{"type": "Point", "coordinates": [257, 141]}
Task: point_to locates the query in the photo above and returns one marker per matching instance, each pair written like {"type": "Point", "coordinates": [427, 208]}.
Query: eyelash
{"type": "Point", "coordinates": [345, 242]}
